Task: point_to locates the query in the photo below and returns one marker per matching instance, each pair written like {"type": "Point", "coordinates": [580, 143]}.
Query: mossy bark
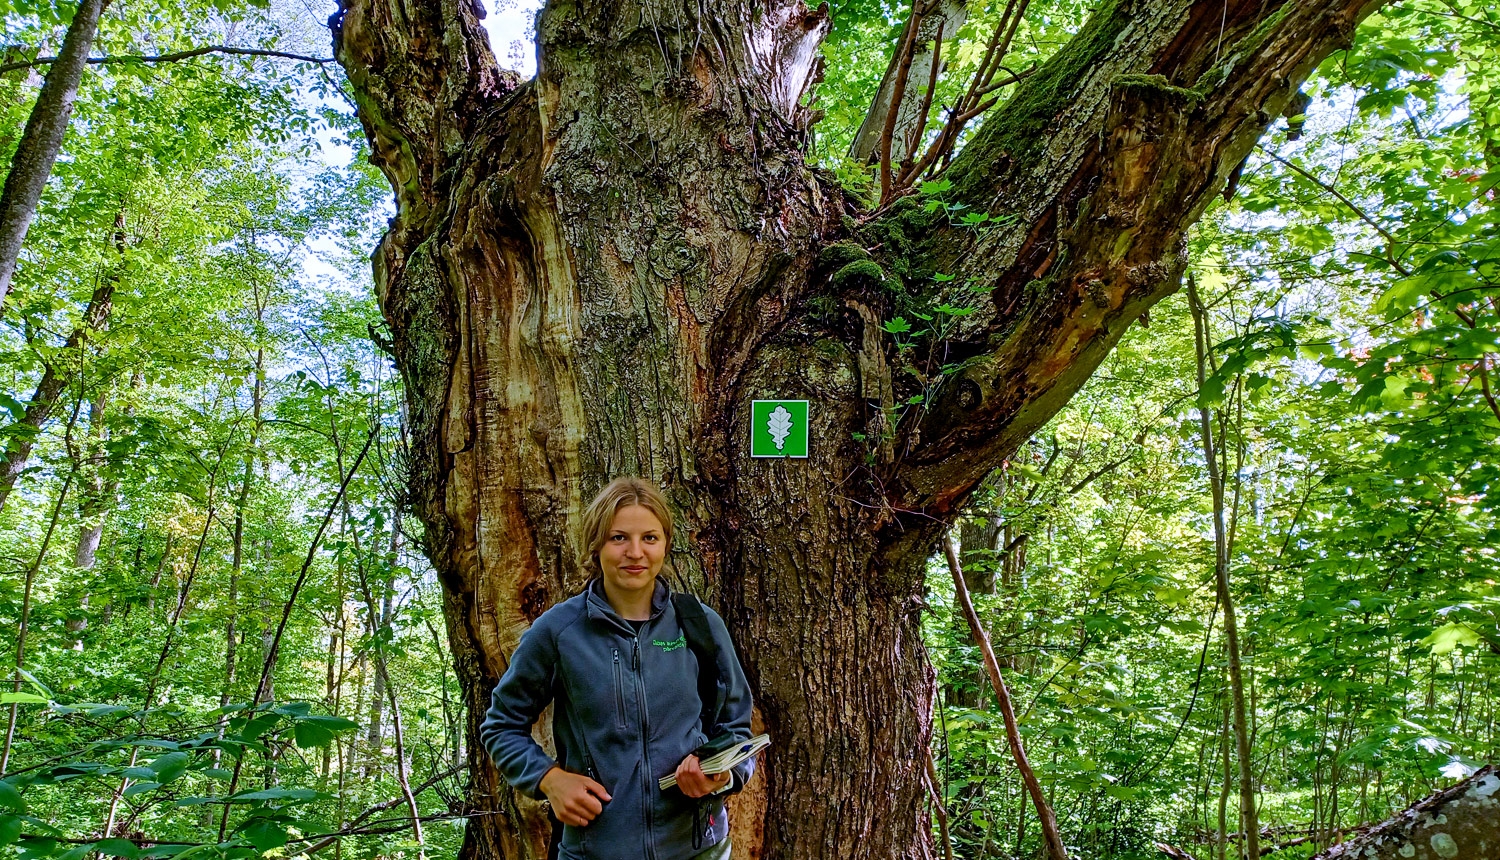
{"type": "Point", "coordinates": [595, 272]}
{"type": "Point", "coordinates": [1460, 821]}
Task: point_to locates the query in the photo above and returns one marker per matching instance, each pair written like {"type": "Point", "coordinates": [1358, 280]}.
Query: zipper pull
{"type": "Point", "coordinates": [636, 658]}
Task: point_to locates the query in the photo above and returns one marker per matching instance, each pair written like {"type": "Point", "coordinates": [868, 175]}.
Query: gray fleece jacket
{"type": "Point", "coordinates": [627, 714]}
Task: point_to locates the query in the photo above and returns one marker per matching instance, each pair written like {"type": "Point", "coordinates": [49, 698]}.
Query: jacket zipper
{"type": "Point", "coordinates": [645, 745]}
{"type": "Point", "coordinates": [619, 694]}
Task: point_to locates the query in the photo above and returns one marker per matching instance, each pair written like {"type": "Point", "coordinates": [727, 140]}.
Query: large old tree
{"type": "Point", "coordinates": [594, 272]}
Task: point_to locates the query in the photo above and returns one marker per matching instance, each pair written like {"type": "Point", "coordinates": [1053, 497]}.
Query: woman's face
{"type": "Point", "coordinates": [634, 549]}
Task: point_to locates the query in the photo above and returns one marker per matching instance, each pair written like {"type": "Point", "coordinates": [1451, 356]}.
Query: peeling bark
{"type": "Point", "coordinates": [594, 272]}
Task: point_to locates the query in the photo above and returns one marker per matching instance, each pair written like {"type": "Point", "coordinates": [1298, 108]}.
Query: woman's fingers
{"type": "Point", "coordinates": [597, 790]}
{"type": "Point", "coordinates": [694, 783]}
{"type": "Point", "coordinates": [580, 809]}
{"type": "Point", "coordinates": [576, 799]}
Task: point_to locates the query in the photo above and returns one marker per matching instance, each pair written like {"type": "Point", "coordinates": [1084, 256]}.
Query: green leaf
{"type": "Point", "coordinates": [166, 850]}
{"type": "Point", "coordinates": [118, 848]}
{"type": "Point", "coordinates": [309, 734]}
{"type": "Point", "coordinates": [194, 801]}
{"type": "Point", "coordinates": [897, 326]}
{"type": "Point", "coordinates": [37, 685]}
{"type": "Point", "coordinates": [265, 834]}
{"type": "Point", "coordinates": [1402, 295]}
{"type": "Point", "coordinates": [141, 788]}
{"type": "Point", "coordinates": [77, 852]}
{"type": "Point", "coordinates": [10, 798]}
{"type": "Point", "coordinates": [170, 766]}
{"type": "Point", "coordinates": [336, 724]}
{"type": "Point", "coordinates": [34, 847]}
{"type": "Point", "coordinates": [10, 828]}
{"type": "Point", "coordinates": [1444, 639]}
{"type": "Point", "coordinates": [276, 794]}
{"type": "Point", "coordinates": [22, 699]}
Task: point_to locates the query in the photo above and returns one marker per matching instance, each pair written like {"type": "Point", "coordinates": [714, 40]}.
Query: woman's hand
{"type": "Point", "coordinates": [575, 799]}
{"type": "Point", "coordinates": [693, 782]}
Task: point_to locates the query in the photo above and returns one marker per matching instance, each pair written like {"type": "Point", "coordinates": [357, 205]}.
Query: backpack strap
{"type": "Point", "coordinates": [700, 640]}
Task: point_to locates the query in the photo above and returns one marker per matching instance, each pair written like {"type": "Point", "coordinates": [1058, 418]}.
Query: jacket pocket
{"type": "Point", "coordinates": [619, 693]}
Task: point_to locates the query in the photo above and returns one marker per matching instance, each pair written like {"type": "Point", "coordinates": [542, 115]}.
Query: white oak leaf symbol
{"type": "Point", "coordinates": [780, 426]}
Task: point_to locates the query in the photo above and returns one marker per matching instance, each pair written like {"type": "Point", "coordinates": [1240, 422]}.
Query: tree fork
{"type": "Point", "coordinates": [593, 272]}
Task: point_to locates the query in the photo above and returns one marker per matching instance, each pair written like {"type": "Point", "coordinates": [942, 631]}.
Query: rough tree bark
{"type": "Point", "coordinates": [1461, 821]}
{"type": "Point", "coordinates": [43, 137]}
{"type": "Point", "coordinates": [594, 272]}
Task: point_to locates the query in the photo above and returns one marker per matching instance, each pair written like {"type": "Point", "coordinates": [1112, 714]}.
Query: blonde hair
{"type": "Point", "coordinates": [600, 515]}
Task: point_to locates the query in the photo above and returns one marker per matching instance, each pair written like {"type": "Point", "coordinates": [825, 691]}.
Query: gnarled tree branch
{"type": "Point", "coordinates": [1094, 170]}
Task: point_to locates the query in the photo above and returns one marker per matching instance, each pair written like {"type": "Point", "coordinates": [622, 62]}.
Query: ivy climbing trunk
{"type": "Point", "coordinates": [594, 272]}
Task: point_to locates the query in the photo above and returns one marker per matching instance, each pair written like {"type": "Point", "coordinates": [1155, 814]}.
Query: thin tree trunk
{"type": "Point", "coordinates": [98, 498]}
{"type": "Point", "coordinates": [1249, 817]}
{"type": "Point", "coordinates": [947, 16]}
{"type": "Point", "coordinates": [96, 489]}
{"type": "Point", "coordinates": [1050, 837]}
{"type": "Point", "coordinates": [273, 646]}
{"type": "Point", "coordinates": [184, 591]}
{"type": "Point", "coordinates": [22, 628]}
{"type": "Point", "coordinates": [54, 379]}
{"type": "Point", "coordinates": [1221, 844]}
{"type": "Point", "coordinates": [31, 166]}
{"type": "Point", "coordinates": [379, 617]}
{"type": "Point", "coordinates": [237, 561]}
{"type": "Point", "coordinates": [375, 735]}
{"type": "Point", "coordinates": [161, 566]}
{"type": "Point", "coordinates": [332, 677]}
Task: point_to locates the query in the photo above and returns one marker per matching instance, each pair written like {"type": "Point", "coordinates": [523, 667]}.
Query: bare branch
{"type": "Point", "coordinates": [1055, 848]}
{"type": "Point", "coordinates": [175, 57]}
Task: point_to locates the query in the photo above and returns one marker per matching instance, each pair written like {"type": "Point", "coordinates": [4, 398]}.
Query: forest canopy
{"type": "Point", "coordinates": [226, 636]}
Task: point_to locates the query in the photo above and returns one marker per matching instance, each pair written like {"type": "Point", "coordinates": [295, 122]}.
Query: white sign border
{"type": "Point", "coordinates": [756, 456]}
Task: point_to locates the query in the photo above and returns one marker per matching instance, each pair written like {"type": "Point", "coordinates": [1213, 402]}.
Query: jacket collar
{"type": "Point", "coordinates": [597, 603]}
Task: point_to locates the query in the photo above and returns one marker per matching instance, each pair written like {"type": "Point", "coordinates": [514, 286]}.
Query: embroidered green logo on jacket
{"type": "Point", "coordinates": [679, 642]}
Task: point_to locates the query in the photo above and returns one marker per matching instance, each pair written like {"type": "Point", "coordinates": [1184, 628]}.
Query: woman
{"type": "Point", "coordinates": [617, 660]}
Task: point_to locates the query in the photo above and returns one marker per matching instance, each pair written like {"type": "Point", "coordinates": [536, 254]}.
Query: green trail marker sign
{"type": "Point", "coordinates": [778, 428]}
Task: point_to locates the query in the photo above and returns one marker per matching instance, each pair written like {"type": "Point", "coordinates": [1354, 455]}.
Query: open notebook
{"type": "Point", "coordinates": [725, 759]}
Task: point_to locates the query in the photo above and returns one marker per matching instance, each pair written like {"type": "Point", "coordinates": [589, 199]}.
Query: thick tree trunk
{"type": "Point", "coordinates": [40, 142]}
{"type": "Point", "coordinates": [595, 272]}
{"type": "Point", "coordinates": [1461, 821]}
